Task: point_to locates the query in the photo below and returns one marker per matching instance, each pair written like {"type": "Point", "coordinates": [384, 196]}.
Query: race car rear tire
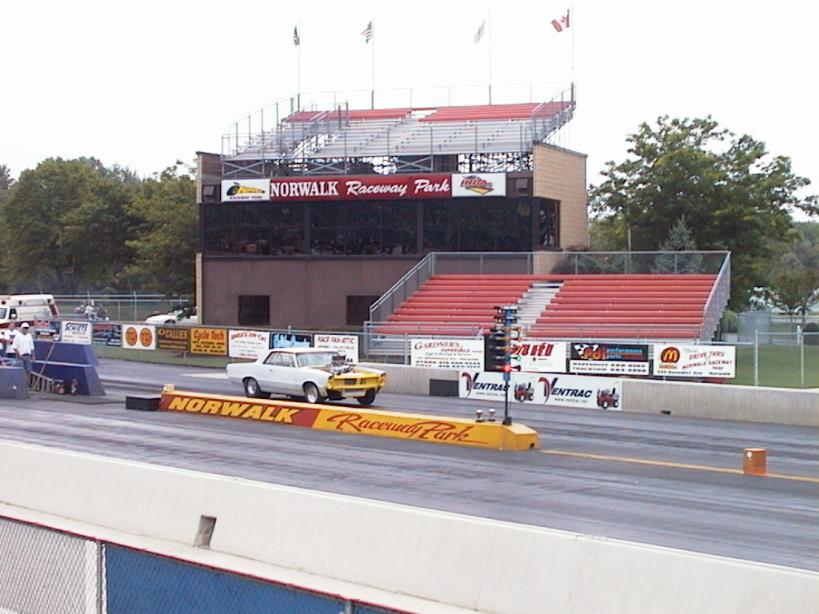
{"type": "Point", "coordinates": [367, 399]}
{"type": "Point", "coordinates": [311, 393]}
{"type": "Point", "coordinates": [252, 389]}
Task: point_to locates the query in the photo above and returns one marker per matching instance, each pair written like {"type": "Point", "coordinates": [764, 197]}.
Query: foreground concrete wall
{"type": "Point", "coordinates": [469, 562]}
{"type": "Point", "coordinates": [403, 379]}
{"type": "Point", "coordinates": [746, 403]}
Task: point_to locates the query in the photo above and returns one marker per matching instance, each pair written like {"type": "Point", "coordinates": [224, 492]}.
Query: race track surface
{"type": "Point", "coordinates": [653, 479]}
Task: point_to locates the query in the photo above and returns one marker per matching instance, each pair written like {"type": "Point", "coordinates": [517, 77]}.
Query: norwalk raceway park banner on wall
{"type": "Point", "coordinates": [542, 389]}
{"type": "Point", "coordinates": [366, 187]}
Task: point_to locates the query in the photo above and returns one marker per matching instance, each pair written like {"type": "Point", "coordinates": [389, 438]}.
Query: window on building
{"type": "Point", "coordinates": [363, 228]}
{"type": "Point", "coordinates": [254, 310]}
{"type": "Point", "coordinates": [472, 225]}
{"type": "Point", "coordinates": [254, 229]}
{"type": "Point", "coordinates": [358, 309]}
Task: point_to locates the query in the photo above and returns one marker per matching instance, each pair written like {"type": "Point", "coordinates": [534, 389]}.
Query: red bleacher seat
{"type": "Point", "coordinates": [662, 306]}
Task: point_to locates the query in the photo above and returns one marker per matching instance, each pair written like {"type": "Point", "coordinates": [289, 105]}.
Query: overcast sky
{"type": "Point", "coordinates": [146, 83]}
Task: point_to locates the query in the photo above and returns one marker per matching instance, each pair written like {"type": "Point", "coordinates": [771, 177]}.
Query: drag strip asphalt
{"type": "Point", "coordinates": [653, 479]}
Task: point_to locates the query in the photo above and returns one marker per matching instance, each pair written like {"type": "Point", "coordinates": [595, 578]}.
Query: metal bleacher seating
{"type": "Point", "coordinates": [621, 306]}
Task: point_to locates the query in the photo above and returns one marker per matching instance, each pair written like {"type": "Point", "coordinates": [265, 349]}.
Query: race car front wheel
{"type": "Point", "coordinates": [367, 399]}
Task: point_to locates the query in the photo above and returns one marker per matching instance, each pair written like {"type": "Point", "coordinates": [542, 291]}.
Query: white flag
{"type": "Point", "coordinates": [479, 33]}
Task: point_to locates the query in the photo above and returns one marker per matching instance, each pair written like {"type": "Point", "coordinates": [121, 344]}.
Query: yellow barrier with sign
{"type": "Point", "coordinates": [418, 427]}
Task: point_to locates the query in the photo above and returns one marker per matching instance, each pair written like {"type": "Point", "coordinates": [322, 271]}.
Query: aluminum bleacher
{"type": "Point", "coordinates": [622, 306]}
{"type": "Point", "coordinates": [422, 131]}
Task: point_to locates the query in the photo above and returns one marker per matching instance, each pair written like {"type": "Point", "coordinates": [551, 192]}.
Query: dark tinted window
{"type": "Point", "coordinates": [254, 310]}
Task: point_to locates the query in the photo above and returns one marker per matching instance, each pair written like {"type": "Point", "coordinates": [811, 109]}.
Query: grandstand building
{"type": "Point", "coordinates": [307, 224]}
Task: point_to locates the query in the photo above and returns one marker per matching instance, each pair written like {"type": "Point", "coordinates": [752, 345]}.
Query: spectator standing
{"type": "Point", "coordinates": [23, 346]}
{"type": "Point", "coordinates": [9, 335]}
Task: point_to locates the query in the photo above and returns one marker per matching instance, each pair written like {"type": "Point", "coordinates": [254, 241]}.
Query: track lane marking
{"type": "Point", "coordinates": [656, 463]}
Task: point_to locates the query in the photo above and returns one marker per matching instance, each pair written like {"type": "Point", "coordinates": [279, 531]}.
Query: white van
{"type": "Point", "coordinates": [27, 308]}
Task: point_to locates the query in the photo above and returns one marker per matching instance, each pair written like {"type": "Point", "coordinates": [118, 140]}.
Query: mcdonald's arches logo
{"type": "Point", "coordinates": [670, 354]}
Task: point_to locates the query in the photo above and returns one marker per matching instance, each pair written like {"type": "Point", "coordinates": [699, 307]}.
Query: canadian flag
{"type": "Point", "coordinates": [562, 23]}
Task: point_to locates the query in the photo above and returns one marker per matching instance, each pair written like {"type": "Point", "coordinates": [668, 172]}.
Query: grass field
{"type": "Point", "coordinates": [778, 365]}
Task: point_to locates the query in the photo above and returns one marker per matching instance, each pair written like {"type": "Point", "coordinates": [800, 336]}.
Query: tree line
{"type": "Point", "coordinates": [688, 184]}
{"type": "Point", "coordinates": [73, 226]}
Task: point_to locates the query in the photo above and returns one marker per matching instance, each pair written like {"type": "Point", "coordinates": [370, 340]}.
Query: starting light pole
{"type": "Point", "coordinates": [505, 317]}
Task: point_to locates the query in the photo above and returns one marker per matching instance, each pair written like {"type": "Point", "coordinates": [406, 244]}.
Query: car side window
{"type": "Point", "coordinates": [287, 360]}
{"type": "Point", "coordinates": [274, 359]}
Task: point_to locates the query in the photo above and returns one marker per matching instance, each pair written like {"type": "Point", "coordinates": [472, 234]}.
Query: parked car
{"type": "Point", "coordinates": [183, 315]}
{"type": "Point", "coordinates": [312, 373]}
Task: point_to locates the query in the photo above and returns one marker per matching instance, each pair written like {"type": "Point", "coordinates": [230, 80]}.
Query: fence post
{"type": "Point", "coordinates": [800, 337]}
{"type": "Point", "coordinates": [406, 348]}
{"type": "Point", "coordinates": [756, 357]}
{"type": "Point", "coordinates": [135, 307]}
{"type": "Point", "coordinates": [100, 578]}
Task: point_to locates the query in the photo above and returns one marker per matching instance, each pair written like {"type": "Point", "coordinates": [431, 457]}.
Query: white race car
{"type": "Point", "coordinates": [312, 373]}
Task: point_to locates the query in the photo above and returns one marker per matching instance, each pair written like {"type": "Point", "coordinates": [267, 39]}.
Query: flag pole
{"type": "Point", "coordinates": [571, 17]}
{"type": "Point", "coordinates": [489, 23]}
{"type": "Point", "coordinates": [298, 92]}
{"type": "Point", "coordinates": [372, 90]}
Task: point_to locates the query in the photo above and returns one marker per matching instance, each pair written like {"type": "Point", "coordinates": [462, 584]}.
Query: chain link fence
{"type": "Point", "coordinates": [46, 571]}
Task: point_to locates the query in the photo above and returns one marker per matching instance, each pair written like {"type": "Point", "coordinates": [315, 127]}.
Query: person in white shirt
{"type": "Point", "coordinates": [23, 346]}
{"type": "Point", "coordinates": [8, 336]}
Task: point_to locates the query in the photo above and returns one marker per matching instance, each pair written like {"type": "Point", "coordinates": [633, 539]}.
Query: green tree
{"type": "Point", "coordinates": [731, 192]}
{"type": "Point", "coordinates": [165, 244]}
{"type": "Point", "coordinates": [6, 181]}
{"type": "Point", "coordinates": [67, 228]}
{"type": "Point", "coordinates": [679, 240]}
{"type": "Point", "coordinates": [794, 280]}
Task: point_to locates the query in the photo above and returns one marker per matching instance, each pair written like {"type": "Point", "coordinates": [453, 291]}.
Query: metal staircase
{"type": "Point", "coordinates": [534, 302]}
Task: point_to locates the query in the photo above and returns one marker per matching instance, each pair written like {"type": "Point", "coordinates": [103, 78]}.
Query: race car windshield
{"type": "Point", "coordinates": [317, 359]}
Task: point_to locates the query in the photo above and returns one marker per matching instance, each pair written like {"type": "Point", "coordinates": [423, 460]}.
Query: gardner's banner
{"type": "Point", "coordinates": [343, 344]}
{"type": "Point", "coordinates": [249, 344]}
{"type": "Point", "coordinates": [695, 360]}
{"type": "Point", "coordinates": [77, 332]}
{"type": "Point", "coordinates": [461, 354]}
{"type": "Point", "coordinates": [212, 341]}
{"type": "Point", "coordinates": [108, 333]}
{"type": "Point", "coordinates": [139, 336]}
{"type": "Point", "coordinates": [545, 389]}
{"type": "Point", "coordinates": [609, 358]}
{"type": "Point", "coordinates": [173, 339]}
{"type": "Point", "coordinates": [539, 356]}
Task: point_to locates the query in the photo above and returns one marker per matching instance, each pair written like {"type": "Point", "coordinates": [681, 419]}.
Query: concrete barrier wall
{"type": "Point", "coordinates": [403, 379]}
{"type": "Point", "coordinates": [464, 561]}
{"type": "Point", "coordinates": [747, 403]}
{"type": "Point", "coordinates": [688, 399]}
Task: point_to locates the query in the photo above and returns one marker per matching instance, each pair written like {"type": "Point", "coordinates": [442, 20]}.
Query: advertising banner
{"type": "Point", "coordinates": [289, 340]}
{"type": "Point", "coordinates": [609, 358]}
{"type": "Point", "coordinates": [249, 344]}
{"type": "Point", "coordinates": [538, 356]}
{"type": "Point", "coordinates": [461, 354]}
{"type": "Point", "coordinates": [139, 336]}
{"type": "Point", "coordinates": [695, 360]}
{"type": "Point", "coordinates": [77, 332]}
{"type": "Point", "coordinates": [173, 339]}
{"type": "Point", "coordinates": [211, 341]}
{"type": "Point", "coordinates": [108, 333]}
{"type": "Point", "coordinates": [479, 184]}
{"type": "Point", "coordinates": [343, 344]}
{"type": "Point", "coordinates": [237, 190]}
{"type": "Point", "coordinates": [361, 187]}
{"type": "Point", "coordinates": [535, 389]}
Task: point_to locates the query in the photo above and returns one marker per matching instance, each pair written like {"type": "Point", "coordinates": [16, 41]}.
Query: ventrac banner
{"type": "Point", "coordinates": [461, 354]}
{"type": "Point", "coordinates": [695, 360]}
{"type": "Point", "coordinates": [343, 344]}
{"type": "Point", "coordinates": [545, 389]}
{"type": "Point", "coordinates": [609, 358]}
{"type": "Point", "coordinates": [245, 189]}
{"type": "Point", "coordinates": [539, 356]}
{"type": "Point", "coordinates": [361, 187]}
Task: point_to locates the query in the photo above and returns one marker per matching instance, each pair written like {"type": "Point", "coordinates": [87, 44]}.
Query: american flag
{"type": "Point", "coordinates": [296, 37]}
{"type": "Point", "coordinates": [368, 33]}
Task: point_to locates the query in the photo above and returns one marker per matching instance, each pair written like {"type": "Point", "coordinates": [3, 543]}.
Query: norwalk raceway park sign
{"type": "Point", "coordinates": [366, 187]}
{"type": "Point", "coordinates": [417, 427]}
